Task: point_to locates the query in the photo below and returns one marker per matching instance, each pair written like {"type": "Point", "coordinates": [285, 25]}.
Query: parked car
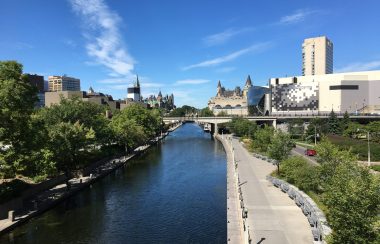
{"type": "Point", "coordinates": [310, 152]}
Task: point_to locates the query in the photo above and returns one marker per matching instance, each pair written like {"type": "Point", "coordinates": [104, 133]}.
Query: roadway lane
{"type": "Point", "coordinates": [272, 216]}
{"type": "Point", "coordinates": [300, 151]}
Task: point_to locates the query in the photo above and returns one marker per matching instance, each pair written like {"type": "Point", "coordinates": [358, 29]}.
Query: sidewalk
{"type": "Point", "coordinates": [272, 216]}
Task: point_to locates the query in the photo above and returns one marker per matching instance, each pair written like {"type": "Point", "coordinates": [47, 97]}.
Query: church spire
{"type": "Point", "coordinates": [137, 82]}
{"type": "Point", "coordinates": [219, 85]}
{"type": "Point", "coordinates": [248, 82]}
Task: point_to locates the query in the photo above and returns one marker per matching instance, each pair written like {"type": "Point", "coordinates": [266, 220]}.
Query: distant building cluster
{"type": "Point", "coordinates": [250, 100]}
{"type": "Point", "coordinates": [318, 90]}
{"type": "Point", "coordinates": [57, 87]}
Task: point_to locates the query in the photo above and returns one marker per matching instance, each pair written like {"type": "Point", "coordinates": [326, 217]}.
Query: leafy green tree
{"type": "Point", "coordinates": [374, 129]}
{"type": "Point", "coordinates": [296, 128]}
{"type": "Point", "coordinates": [353, 129]}
{"type": "Point", "coordinates": [330, 157]}
{"type": "Point", "coordinates": [206, 112]}
{"type": "Point", "coordinates": [183, 111]}
{"type": "Point", "coordinates": [280, 147]}
{"type": "Point", "coordinates": [262, 138]}
{"type": "Point", "coordinates": [333, 124]}
{"type": "Point", "coordinates": [318, 126]}
{"type": "Point", "coordinates": [222, 114]}
{"type": "Point", "coordinates": [17, 99]}
{"type": "Point", "coordinates": [354, 204]}
{"type": "Point", "coordinates": [66, 141]}
{"type": "Point", "coordinates": [242, 127]}
{"type": "Point", "coordinates": [74, 110]}
{"type": "Point", "coordinates": [127, 132]}
{"type": "Point", "coordinates": [149, 120]}
{"type": "Point", "coordinates": [344, 123]}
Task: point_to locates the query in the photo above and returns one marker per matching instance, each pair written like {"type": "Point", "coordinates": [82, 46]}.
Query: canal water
{"type": "Point", "coordinates": [174, 193]}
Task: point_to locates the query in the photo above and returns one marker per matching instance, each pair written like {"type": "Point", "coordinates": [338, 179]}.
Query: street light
{"type": "Point", "coordinates": [369, 149]}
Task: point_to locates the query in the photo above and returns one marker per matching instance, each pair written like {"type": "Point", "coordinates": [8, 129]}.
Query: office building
{"type": "Point", "coordinates": [63, 83]}
{"type": "Point", "coordinates": [317, 56]}
{"type": "Point", "coordinates": [354, 92]}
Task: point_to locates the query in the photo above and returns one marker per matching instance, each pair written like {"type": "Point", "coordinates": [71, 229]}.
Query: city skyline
{"type": "Point", "coordinates": [182, 48]}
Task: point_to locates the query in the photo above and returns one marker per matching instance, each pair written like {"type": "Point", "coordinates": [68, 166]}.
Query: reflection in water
{"type": "Point", "coordinates": [174, 193]}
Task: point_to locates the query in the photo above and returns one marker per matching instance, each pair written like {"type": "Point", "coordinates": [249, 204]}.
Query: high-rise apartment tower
{"type": "Point", "coordinates": [317, 56]}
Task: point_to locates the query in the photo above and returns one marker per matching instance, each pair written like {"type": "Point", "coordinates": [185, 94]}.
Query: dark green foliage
{"type": "Point", "coordinates": [354, 204]}
{"type": "Point", "coordinates": [183, 111]}
{"type": "Point", "coordinates": [17, 99]}
{"type": "Point", "coordinates": [205, 112]}
{"type": "Point", "coordinates": [296, 128]}
{"type": "Point", "coordinates": [280, 146]}
{"type": "Point", "coordinates": [348, 191]}
{"type": "Point", "coordinates": [316, 126]}
{"type": "Point", "coordinates": [262, 139]}
{"type": "Point", "coordinates": [333, 124]}
{"type": "Point", "coordinates": [12, 189]}
{"type": "Point", "coordinates": [357, 147]}
{"type": "Point", "coordinates": [242, 127]}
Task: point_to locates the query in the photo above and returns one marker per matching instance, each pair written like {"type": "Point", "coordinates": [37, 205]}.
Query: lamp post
{"type": "Point", "coordinates": [369, 149]}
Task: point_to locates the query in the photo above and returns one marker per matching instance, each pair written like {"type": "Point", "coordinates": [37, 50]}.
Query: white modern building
{"type": "Point", "coordinates": [63, 83]}
{"type": "Point", "coordinates": [317, 56]}
{"type": "Point", "coordinates": [354, 92]}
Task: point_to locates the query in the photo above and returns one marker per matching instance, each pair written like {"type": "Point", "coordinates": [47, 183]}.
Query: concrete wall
{"type": "Point", "coordinates": [17, 203]}
{"type": "Point", "coordinates": [55, 97]}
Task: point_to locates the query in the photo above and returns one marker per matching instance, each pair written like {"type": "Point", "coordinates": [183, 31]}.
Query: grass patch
{"type": "Point", "coordinates": [375, 167]}
{"type": "Point", "coordinates": [358, 147]}
{"type": "Point", "coordinates": [317, 198]}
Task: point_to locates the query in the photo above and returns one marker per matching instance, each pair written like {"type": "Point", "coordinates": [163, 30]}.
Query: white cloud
{"type": "Point", "coordinates": [191, 82]}
{"type": "Point", "coordinates": [298, 16]}
{"type": "Point", "coordinates": [359, 66]}
{"type": "Point", "coordinates": [224, 36]}
{"type": "Point", "coordinates": [104, 41]}
{"type": "Point", "coordinates": [216, 61]}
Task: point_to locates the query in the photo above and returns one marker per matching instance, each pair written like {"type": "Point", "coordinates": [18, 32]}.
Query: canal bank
{"type": "Point", "coordinates": [235, 226]}
{"type": "Point", "coordinates": [173, 193]}
{"type": "Point", "coordinates": [48, 199]}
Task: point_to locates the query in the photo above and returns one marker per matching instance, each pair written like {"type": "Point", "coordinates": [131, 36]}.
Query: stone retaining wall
{"type": "Point", "coordinates": [315, 216]}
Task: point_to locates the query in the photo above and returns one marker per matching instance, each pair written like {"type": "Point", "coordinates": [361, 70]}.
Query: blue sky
{"type": "Point", "coordinates": [183, 47]}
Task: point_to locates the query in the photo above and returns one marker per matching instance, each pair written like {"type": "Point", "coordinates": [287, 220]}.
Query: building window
{"type": "Point", "coordinates": [345, 87]}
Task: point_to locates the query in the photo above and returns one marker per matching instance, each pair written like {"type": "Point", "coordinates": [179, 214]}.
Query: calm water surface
{"type": "Point", "coordinates": [175, 193]}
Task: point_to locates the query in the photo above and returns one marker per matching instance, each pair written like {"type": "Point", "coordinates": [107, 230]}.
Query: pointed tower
{"type": "Point", "coordinates": [137, 82]}
{"type": "Point", "coordinates": [248, 84]}
{"type": "Point", "coordinates": [219, 92]}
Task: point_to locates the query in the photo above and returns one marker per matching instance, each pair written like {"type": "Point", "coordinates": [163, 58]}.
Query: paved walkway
{"type": "Point", "coordinates": [272, 216]}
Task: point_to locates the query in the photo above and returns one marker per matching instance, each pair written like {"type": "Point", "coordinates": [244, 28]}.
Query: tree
{"type": "Point", "coordinates": [330, 157]}
{"type": "Point", "coordinates": [344, 123]}
{"type": "Point", "coordinates": [280, 147]}
{"type": "Point", "coordinates": [149, 120]}
{"type": "Point", "coordinates": [263, 138]}
{"type": "Point", "coordinates": [374, 130]}
{"type": "Point", "coordinates": [353, 129]}
{"type": "Point", "coordinates": [333, 124]}
{"type": "Point", "coordinates": [206, 112]}
{"type": "Point", "coordinates": [127, 132]}
{"type": "Point", "coordinates": [17, 100]}
{"type": "Point", "coordinates": [354, 204]}
{"type": "Point", "coordinates": [74, 110]}
{"type": "Point", "coordinates": [242, 127]}
{"type": "Point", "coordinates": [66, 141]}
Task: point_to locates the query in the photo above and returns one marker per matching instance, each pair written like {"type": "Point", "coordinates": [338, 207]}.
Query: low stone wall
{"type": "Point", "coordinates": [317, 219]}
{"type": "Point", "coordinates": [18, 203]}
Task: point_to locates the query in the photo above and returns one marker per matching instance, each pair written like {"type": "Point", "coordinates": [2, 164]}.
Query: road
{"type": "Point", "coordinates": [298, 150]}
{"type": "Point", "coordinates": [272, 216]}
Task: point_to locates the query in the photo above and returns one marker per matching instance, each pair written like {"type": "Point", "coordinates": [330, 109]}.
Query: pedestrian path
{"type": "Point", "coordinates": [272, 216]}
